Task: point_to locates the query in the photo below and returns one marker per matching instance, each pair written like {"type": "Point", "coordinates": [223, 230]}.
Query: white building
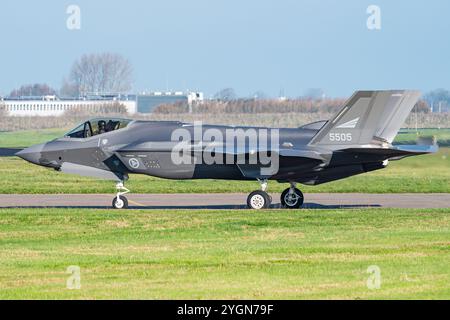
{"type": "Point", "coordinates": [50, 106]}
{"type": "Point", "coordinates": [148, 101]}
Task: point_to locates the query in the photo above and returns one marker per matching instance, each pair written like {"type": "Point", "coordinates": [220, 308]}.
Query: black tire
{"type": "Point", "coordinates": [120, 205]}
{"type": "Point", "coordinates": [258, 200]}
{"type": "Point", "coordinates": [292, 202]}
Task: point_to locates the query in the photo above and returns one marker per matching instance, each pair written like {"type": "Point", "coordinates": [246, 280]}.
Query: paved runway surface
{"type": "Point", "coordinates": [225, 201]}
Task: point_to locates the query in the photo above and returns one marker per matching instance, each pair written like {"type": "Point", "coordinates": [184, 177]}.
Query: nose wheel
{"type": "Point", "coordinates": [120, 201]}
{"type": "Point", "coordinates": [259, 199]}
{"type": "Point", "coordinates": [292, 198]}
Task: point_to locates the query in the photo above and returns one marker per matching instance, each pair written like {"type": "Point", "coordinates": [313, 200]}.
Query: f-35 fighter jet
{"type": "Point", "coordinates": [357, 140]}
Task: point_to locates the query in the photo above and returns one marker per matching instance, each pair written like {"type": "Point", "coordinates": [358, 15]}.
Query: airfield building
{"type": "Point", "coordinates": [55, 106]}
{"type": "Point", "coordinates": [147, 102]}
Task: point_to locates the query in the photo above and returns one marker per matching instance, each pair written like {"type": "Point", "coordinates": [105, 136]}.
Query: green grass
{"type": "Point", "coordinates": [410, 136]}
{"type": "Point", "coordinates": [223, 254]}
{"type": "Point", "coordinates": [429, 173]}
{"type": "Point", "coordinates": [27, 138]}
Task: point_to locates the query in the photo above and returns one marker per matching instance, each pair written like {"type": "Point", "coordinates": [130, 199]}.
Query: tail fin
{"type": "Point", "coordinates": [369, 117]}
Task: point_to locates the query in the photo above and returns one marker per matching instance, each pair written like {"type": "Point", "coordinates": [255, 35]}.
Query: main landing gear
{"type": "Point", "coordinates": [259, 199]}
{"type": "Point", "coordinates": [291, 198]}
{"type": "Point", "coordinates": [119, 201]}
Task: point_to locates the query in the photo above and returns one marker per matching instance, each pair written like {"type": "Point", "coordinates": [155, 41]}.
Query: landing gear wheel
{"type": "Point", "coordinates": [120, 202]}
{"type": "Point", "coordinates": [292, 198]}
{"type": "Point", "coordinates": [258, 200]}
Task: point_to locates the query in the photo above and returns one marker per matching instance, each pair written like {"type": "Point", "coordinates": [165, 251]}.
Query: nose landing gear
{"type": "Point", "coordinates": [120, 201]}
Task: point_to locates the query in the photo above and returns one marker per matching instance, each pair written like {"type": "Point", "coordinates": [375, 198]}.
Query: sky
{"type": "Point", "coordinates": [285, 46]}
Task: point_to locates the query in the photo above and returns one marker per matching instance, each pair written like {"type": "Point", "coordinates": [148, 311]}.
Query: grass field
{"type": "Point", "coordinates": [15, 139]}
{"type": "Point", "coordinates": [430, 173]}
{"type": "Point", "coordinates": [225, 254]}
{"type": "Point", "coordinates": [410, 136]}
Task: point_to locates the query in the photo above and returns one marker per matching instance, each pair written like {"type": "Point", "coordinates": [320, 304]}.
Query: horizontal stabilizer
{"type": "Point", "coordinates": [397, 151]}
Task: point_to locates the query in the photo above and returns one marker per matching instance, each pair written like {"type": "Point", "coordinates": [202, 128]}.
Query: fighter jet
{"type": "Point", "coordinates": [357, 140]}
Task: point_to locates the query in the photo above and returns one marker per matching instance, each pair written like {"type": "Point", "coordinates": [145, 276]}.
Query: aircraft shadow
{"type": "Point", "coordinates": [307, 205]}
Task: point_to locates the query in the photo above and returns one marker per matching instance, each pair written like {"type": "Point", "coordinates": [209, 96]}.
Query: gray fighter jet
{"type": "Point", "coordinates": [357, 140]}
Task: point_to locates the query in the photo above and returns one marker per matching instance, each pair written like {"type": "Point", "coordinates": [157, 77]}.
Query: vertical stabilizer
{"type": "Point", "coordinates": [369, 117]}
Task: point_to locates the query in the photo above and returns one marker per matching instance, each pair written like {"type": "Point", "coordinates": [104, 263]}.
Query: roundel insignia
{"type": "Point", "coordinates": [134, 163]}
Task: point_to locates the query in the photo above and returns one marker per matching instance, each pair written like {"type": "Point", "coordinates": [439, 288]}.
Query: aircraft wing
{"type": "Point", "coordinates": [224, 149]}
{"type": "Point", "coordinates": [268, 159]}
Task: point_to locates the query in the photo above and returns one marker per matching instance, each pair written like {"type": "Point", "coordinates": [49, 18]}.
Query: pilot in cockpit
{"type": "Point", "coordinates": [101, 126]}
{"type": "Point", "coordinates": [97, 126]}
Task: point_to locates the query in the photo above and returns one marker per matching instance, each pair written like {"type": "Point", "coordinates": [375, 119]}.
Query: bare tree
{"type": "Point", "coordinates": [69, 89]}
{"type": "Point", "coordinates": [37, 89]}
{"type": "Point", "coordinates": [227, 94]}
{"type": "Point", "coordinates": [105, 72]}
{"type": "Point", "coordinates": [106, 109]}
{"type": "Point", "coordinates": [436, 98]}
{"type": "Point", "coordinates": [421, 107]}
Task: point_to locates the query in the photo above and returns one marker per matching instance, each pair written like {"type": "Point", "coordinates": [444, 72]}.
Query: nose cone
{"type": "Point", "coordinates": [32, 154]}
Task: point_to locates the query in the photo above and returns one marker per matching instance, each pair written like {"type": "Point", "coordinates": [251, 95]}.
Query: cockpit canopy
{"type": "Point", "coordinates": [97, 126]}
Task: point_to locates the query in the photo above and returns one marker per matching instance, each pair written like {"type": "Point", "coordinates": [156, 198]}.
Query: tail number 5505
{"type": "Point", "coordinates": [340, 137]}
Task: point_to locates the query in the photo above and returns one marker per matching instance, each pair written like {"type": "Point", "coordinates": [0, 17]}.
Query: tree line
{"type": "Point", "coordinates": [91, 73]}
{"type": "Point", "coordinates": [238, 106]}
